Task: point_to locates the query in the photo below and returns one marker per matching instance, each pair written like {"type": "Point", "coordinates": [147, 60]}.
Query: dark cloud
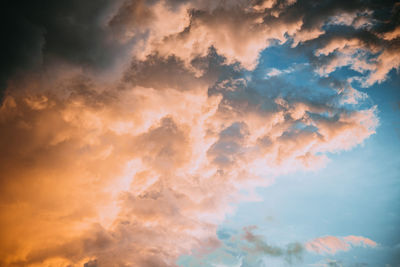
{"type": "Point", "coordinates": [159, 73]}
{"type": "Point", "coordinates": [91, 34]}
{"type": "Point", "coordinates": [92, 263]}
{"type": "Point", "coordinates": [35, 33]}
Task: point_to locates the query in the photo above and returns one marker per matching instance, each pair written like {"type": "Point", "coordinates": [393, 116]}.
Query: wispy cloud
{"type": "Point", "coordinates": [333, 244]}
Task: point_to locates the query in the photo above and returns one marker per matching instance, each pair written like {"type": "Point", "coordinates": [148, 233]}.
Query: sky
{"type": "Point", "coordinates": [200, 133]}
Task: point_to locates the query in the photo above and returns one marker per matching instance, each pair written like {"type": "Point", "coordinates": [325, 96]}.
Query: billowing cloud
{"type": "Point", "coordinates": [333, 244]}
{"type": "Point", "coordinates": [129, 130]}
{"type": "Point", "coordinates": [98, 35]}
{"type": "Point", "coordinates": [122, 170]}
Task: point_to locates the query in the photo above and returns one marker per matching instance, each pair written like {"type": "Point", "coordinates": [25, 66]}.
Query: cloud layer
{"type": "Point", "coordinates": [128, 130]}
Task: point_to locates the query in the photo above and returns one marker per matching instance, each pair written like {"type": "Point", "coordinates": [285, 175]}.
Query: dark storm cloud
{"type": "Point", "coordinates": [35, 32]}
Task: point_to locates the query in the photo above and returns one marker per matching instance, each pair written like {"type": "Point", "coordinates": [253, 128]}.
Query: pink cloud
{"type": "Point", "coordinates": [333, 244]}
{"type": "Point", "coordinates": [360, 241]}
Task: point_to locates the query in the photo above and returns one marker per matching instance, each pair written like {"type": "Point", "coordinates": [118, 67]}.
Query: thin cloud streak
{"type": "Point", "coordinates": [332, 244]}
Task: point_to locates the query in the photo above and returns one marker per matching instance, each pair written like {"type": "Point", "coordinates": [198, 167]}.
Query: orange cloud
{"type": "Point", "coordinates": [94, 173]}
{"type": "Point", "coordinates": [138, 169]}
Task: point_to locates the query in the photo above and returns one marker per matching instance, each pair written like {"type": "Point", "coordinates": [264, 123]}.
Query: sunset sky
{"type": "Point", "coordinates": [200, 133]}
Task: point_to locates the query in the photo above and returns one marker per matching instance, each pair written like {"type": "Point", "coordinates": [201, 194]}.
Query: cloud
{"type": "Point", "coordinates": [391, 35]}
{"type": "Point", "coordinates": [333, 244]}
{"type": "Point", "coordinates": [129, 130]}
{"type": "Point", "coordinates": [248, 248]}
{"type": "Point", "coordinates": [72, 32]}
{"type": "Point", "coordinates": [359, 241]}
{"type": "Point", "coordinates": [257, 245]}
{"type": "Point", "coordinates": [329, 263]}
{"type": "Point", "coordinates": [122, 169]}
{"type": "Point", "coordinates": [101, 34]}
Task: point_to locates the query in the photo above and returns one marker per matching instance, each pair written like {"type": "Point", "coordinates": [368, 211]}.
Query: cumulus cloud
{"type": "Point", "coordinates": [333, 244]}
{"type": "Point", "coordinates": [128, 129]}
{"type": "Point", "coordinates": [99, 34]}
{"type": "Point", "coordinates": [121, 170]}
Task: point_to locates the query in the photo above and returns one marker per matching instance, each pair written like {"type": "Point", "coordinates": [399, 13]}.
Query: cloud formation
{"type": "Point", "coordinates": [333, 244]}
{"type": "Point", "coordinates": [120, 170]}
{"type": "Point", "coordinates": [247, 248]}
{"type": "Point", "coordinates": [97, 35]}
{"type": "Point", "coordinates": [128, 129]}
